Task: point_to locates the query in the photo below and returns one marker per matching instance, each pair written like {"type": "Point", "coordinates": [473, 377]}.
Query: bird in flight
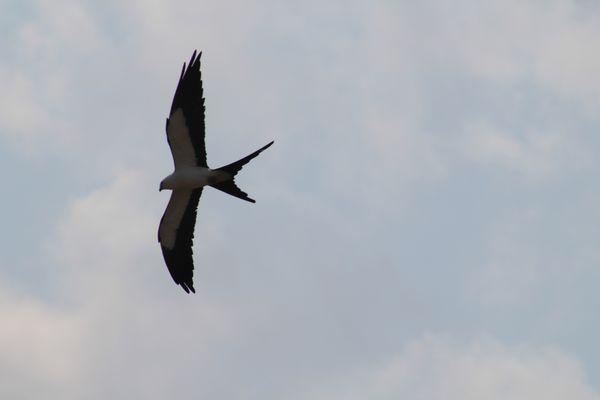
{"type": "Point", "coordinates": [185, 135]}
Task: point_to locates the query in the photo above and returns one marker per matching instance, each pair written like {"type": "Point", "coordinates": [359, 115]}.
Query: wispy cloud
{"type": "Point", "coordinates": [433, 367]}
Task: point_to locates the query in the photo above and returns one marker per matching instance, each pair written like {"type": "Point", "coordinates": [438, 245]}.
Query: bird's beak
{"type": "Point", "coordinates": [160, 188]}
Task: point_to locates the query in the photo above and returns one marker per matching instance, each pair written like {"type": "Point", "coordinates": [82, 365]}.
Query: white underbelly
{"type": "Point", "coordinates": [196, 177]}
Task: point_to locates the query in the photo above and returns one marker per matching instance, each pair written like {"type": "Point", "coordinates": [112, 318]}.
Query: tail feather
{"type": "Point", "coordinates": [231, 188]}
{"type": "Point", "coordinates": [232, 169]}
{"type": "Point", "coordinates": [235, 167]}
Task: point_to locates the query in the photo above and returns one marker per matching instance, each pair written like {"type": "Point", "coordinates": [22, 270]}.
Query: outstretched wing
{"type": "Point", "coordinates": [176, 233]}
{"type": "Point", "coordinates": [185, 125]}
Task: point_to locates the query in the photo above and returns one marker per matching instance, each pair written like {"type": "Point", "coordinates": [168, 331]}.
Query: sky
{"type": "Point", "coordinates": [426, 224]}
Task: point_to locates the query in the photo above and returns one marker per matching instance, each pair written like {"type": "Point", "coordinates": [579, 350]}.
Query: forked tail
{"type": "Point", "coordinates": [232, 169]}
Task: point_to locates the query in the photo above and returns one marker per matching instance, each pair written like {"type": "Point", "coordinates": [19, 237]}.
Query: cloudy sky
{"type": "Point", "coordinates": [426, 224]}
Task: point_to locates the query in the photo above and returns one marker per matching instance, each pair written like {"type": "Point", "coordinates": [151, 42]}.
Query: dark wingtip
{"type": "Point", "coordinates": [182, 71]}
{"type": "Point", "coordinates": [195, 61]}
{"type": "Point", "coordinates": [257, 152]}
{"type": "Point", "coordinates": [187, 286]}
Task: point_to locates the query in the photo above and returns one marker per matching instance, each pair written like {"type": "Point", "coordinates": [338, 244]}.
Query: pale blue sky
{"type": "Point", "coordinates": [426, 223]}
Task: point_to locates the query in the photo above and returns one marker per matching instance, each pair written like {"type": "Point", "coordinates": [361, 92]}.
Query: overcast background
{"type": "Point", "coordinates": [426, 225]}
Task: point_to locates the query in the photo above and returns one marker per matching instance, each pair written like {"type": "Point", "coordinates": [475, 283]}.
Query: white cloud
{"type": "Point", "coordinates": [433, 368]}
{"type": "Point", "coordinates": [41, 348]}
{"type": "Point", "coordinates": [41, 73]}
{"type": "Point", "coordinates": [113, 220]}
{"type": "Point", "coordinates": [497, 49]}
{"type": "Point", "coordinates": [534, 154]}
{"type": "Point", "coordinates": [546, 43]}
{"type": "Point", "coordinates": [21, 113]}
{"type": "Point", "coordinates": [533, 250]}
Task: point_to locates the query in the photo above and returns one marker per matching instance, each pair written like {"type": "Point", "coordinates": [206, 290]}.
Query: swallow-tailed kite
{"type": "Point", "coordinates": [185, 134]}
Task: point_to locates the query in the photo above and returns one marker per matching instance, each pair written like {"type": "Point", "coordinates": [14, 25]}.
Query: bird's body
{"type": "Point", "coordinates": [185, 134]}
{"type": "Point", "coordinates": [193, 178]}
